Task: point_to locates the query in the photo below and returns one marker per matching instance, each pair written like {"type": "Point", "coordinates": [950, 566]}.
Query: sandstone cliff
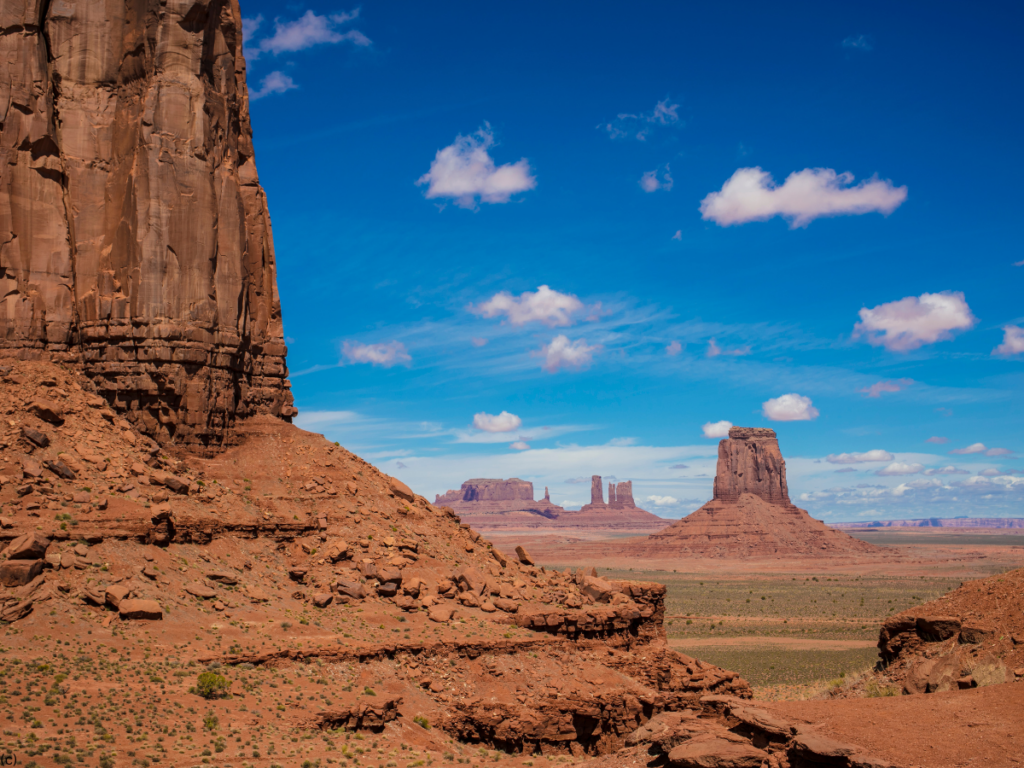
{"type": "Point", "coordinates": [134, 234]}
{"type": "Point", "coordinates": [751, 515]}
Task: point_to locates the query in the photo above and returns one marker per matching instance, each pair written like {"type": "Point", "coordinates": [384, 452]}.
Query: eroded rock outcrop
{"type": "Point", "coordinates": [503, 499]}
{"type": "Point", "coordinates": [750, 462]}
{"type": "Point", "coordinates": [134, 234]}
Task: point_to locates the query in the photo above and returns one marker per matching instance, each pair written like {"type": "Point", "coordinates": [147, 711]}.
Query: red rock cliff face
{"type": "Point", "coordinates": [750, 462]}
{"type": "Point", "coordinates": [134, 234]}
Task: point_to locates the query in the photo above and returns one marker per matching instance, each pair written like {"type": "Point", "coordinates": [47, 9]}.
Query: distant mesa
{"type": "Point", "coordinates": [751, 515]}
{"type": "Point", "coordinates": [508, 505]}
{"type": "Point", "coordinates": [497, 497]}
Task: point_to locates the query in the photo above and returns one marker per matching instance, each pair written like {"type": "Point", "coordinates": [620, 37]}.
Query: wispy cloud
{"type": "Point", "coordinates": [1013, 341]}
{"type": "Point", "coordinates": [305, 32]}
{"type": "Point", "coordinates": [385, 355]}
{"type": "Point", "coordinates": [466, 173]}
{"type": "Point", "coordinates": [859, 458]}
{"type": "Point", "coordinates": [564, 354]}
{"type": "Point", "coordinates": [544, 305]}
{"type": "Point", "coordinates": [716, 428]}
{"type": "Point", "coordinates": [937, 440]}
{"type": "Point", "coordinates": [275, 82]}
{"type": "Point", "coordinates": [673, 348]}
{"type": "Point", "coordinates": [752, 195]}
{"type": "Point", "coordinates": [639, 126]}
{"type": "Point", "coordinates": [912, 322]}
{"type": "Point", "coordinates": [650, 182]}
{"type": "Point", "coordinates": [876, 389]}
{"type": "Point", "coordinates": [716, 351]}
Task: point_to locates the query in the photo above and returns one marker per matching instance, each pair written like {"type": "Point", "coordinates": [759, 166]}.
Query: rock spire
{"type": "Point", "coordinates": [134, 234]}
{"type": "Point", "coordinates": [750, 462]}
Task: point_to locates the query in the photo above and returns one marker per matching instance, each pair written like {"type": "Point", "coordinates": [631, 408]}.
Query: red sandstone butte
{"type": "Point", "coordinates": [750, 515]}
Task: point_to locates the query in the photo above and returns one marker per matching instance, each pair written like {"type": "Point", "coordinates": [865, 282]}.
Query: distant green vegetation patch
{"type": "Point", "coordinates": [766, 667]}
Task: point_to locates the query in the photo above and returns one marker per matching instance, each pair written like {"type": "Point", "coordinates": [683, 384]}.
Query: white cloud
{"type": "Point", "coordinates": [876, 389]}
{"type": "Point", "coordinates": [640, 126]}
{"type": "Point", "coordinates": [305, 32]}
{"type": "Point", "coordinates": [519, 445]}
{"type": "Point", "coordinates": [950, 470]}
{"type": "Point", "coordinates": [503, 422]}
{"type": "Point", "coordinates": [975, 448]}
{"type": "Point", "coordinates": [911, 322]}
{"type": "Point", "coordinates": [546, 306]}
{"type": "Point", "coordinates": [1019, 263]}
{"type": "Point", "coordinates": [715, 351]}
{"type": "Point", "coordinates": [858, 42]}
{"type": "Point", "coordinates": [673, 349]}
{"type": "Point", "coordinates": [717, 428]}
{"type": "Point", "coordinates": [562, 353]}
{"type": "Point", "coordinates": [998, 452]}
{"type": "Point", "coordinates": [900, 468]}
{"type": "Point", "coordinates": [859, 458]}
{"type": "Point", "coordinates": [249, 27]}
{"type": "Point", "coordinates": [663, 501]}
{"type": "Point", "coordinates": [275, 82]}
{"type": "Point", "coordinates": [465, 172]}
{"type": "Point", "coordinates": [650, 182]}
{"type": "Point", "coordinates": [678, 235]}
{"type": "Point", "coordinates": [937, 440]}
{"type": "Point", "coordinates": [791, 407]}
{"type": "Point", "coordinates": [752, 195]}
{"type": "Point", "coordinates": [386, 355]}
{"type": "Point", "coordinates": [1013, 341]}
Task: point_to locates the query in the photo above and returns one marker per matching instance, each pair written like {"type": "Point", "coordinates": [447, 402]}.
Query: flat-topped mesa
{"type": "Point", "coordinates": [750, 462]}
{"type": "Point", "coordinates": [483, 489]}
{"type": "Point", "coordinates": [135, 239]}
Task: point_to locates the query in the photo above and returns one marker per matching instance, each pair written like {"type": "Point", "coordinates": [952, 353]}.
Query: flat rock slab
{"type": "Point", "coordinates": [201, 590]}
{"type": "Point", "coordinates": [716, 753]}
{"type": "Point", "coordinates": [147, 610]}
{"type": "Point", "coordinates": [17, 573]}
{"type": "Point", "coordinates": [31, 546]}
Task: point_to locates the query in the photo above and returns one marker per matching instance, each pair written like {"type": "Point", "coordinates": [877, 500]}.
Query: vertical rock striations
{"type": "Point", "coordinates": [750, 462]}
{"type": "Point", "coordinates": [134, 234]}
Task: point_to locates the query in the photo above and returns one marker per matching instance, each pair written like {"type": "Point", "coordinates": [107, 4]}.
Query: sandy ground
{"type": "Point", "coordinates": [980, 727]}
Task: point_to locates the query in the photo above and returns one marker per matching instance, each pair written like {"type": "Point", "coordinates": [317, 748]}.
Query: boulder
{"type": "Point", "coordinates": [933, 675]}
{"type": "Point", "coordinates": [440, 613]}
{"type": "Point", "coordinates": [35, 437]}
{"type": "Point", "coordinates": [60, 469]}
{"type": "Point", "coordinates": [390, 576]}
{"type": "Point", "coordinates": [716, 752]}
{"type": "Point", "coordinates": [322, 599]}
{"type": "Point", "coordinates": [524, 556]}
{"type": "Point", "coordinates": [352, 589]}
{"type": "Point", "coordinates": [47, 411]}
{"type": "Point", "coordinates": [201, 591]}
{"type": "Point", "coordinates": [599, 590]}
{"type": "Point", "coordinates": [401, 490]}
{"type": "Point", "coordinates": [337, 551]}
{"type": "Point", "coordinates": [470, 580]}
{"type": "Point", "coordinates": [31, 468]}
{"type": "Point", "coordinates": [487, 607]}
{"type": "Point", "coordinates": [222, 577]}
{"type": "Point", "coordinates": [506, 605]}
{"type": "Point", "coordinates": [147, 610]}
{"type": "Point", "coordinates": [115, 594]}
{"type": "Point", "coordinates": [297, 573]}
{"type": "Point", "coordinates": [497, 555]}
{"type": "Point", "coordinates": [13, 612]}
{"type": "Point", "coordinates": [387, 589]}
{"type": "Point", "coordinates": [17, 573]}
{"type": "Point", "coordinates": [30, 546]}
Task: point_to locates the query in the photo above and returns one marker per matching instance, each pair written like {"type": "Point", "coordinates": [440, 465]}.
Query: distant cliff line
{"type": "Point", "coordinates": [936, 522]}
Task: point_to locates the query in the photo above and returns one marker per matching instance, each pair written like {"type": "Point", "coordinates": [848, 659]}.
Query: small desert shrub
{"type": "Point", "coordinates": [210, 685]}
{"type": "Point", "coordinates": [421, 721]}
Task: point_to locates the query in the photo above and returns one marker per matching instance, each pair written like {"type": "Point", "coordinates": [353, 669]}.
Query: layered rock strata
{"type": "Point", "coordinates": [620, 496]}
{"type": "Point", "coordinates": [751, 515]}
{"type": "Point", "coordinates": [134, 234]}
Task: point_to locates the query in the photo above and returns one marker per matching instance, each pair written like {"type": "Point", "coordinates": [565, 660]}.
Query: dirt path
{"type": "Point", "coordinates": [980, 727]}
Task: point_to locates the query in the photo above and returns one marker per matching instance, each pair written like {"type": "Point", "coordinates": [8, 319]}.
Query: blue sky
{"type": "Point", "coordinates": [550, 242]}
